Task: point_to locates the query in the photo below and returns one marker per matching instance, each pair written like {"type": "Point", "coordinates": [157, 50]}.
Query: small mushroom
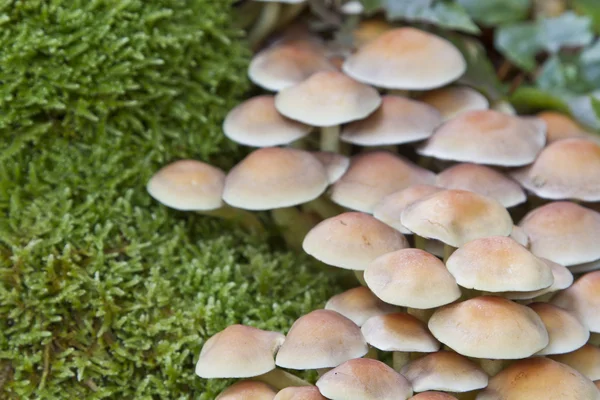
{"type": "Point", "coordinates": [299, 393]}
{"type": "Point", "coordinates": [244, 390]}
{"type": "Point", "coordinates": [586, 360]}
{"type": "Point", "coordinates": [335, 164]}
{"type": "Point", "coordinates": [563, 278]}
{"type": "Point", "coordinates": [430, 395]}
{"type": "Point", "coordinates": [566, 333]}
{"type": "Point", "coordinates": [455, 100]}
{"type": "Point", "coordinates": [359, 304]}
{"type": "Point", "coordinates": [560, 126]}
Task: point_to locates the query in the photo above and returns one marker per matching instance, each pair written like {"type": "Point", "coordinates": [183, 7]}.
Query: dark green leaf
{"type": "Point", "coordinates": [496, 12]}
{"type": "Point", "coordinates": [595, 103]}
{"type": "Point", "coordinates": [567, 30]}
{"type": "Point", "coordinates": [440, 13]}
{"type": "Point", "coordinates": [519, 43]}
{"type": "Point", "coordinates": [371, 6]}
{"type": "Point", "coordinates": [591, 8]}
{"type": "Point", "coordinates": [527, 99]}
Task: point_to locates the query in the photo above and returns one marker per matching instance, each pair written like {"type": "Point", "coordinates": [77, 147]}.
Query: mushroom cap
{"type": "Point", "coordinates": [188, 185]}
{"type": "Point", "coordinates": [519, 235]}
{"type": "Point", "coordinates": [238, 351]}
{"type": "Point", "coordinates": [399, 332]}
{"type": "Point", "coordinates": [487, 137]}
{"type": "Point", "coordinates": [539, 378]}
{"type": "Point", "coordinates": [566, 333]}
{"type": "Point", "coordinates": [390, 208]}
{"type": "Point", "coordinates": [406, 58]}
{"type": "Point", "coordinates": [359, 304]}
{"type": "Point", "coordinates": [352, 240]}
{"type": "Point", "coordinates": [444, 370]}
{"type": "Point", "coordinates": [300, 393]}
{"type": "Point", "coordinates": [244, 390]}
{"type": "Point", "coordinates": [275, 177]}
{"type": "Point", "coordinates": [563, 232]}
{"type": "Point", "coordinates": [364, 379]}
{"type": "Point", "coordinates": [256, 122]}
{"type": "Point", "coordinates": [286, 64]}
{"type": "Point", "coordinates": [411, 278]}
{"type": "Point", "coordinates": [586, 360]}
{"type": "Point", "coordinates": [566, 169]}
{"type": "Point", "coordinates": [455, 100]}
{"type": "Point", "coordinates": [335, 164]}
{"type": "Point", "coordinates": [374, 175]}
{"type": "Point", "coordinates": [583, 299]}
{"type": "Point", "coordinates": [327, 98]}
{"type": "Point", "coordinates": [398, 120]}
{"type": "Point", "coordinates": [498, 264]}
{"type": "Point", "coordinates": [563, 278]}
{"type": "Point", "coordinates": [310, 343]}
{"type": "Point", "coordinates": [560, 126]}
{"type": "Point", "coordinates": [489, 327]}
{"type": "Point", "coordinates": [429, 395]}
{"type": "Point", "coordinates": [483, 180]}
{"type": "Point", "coordinates": [456, 217]}
{"type": "Point", "coordinates": [369, 29]}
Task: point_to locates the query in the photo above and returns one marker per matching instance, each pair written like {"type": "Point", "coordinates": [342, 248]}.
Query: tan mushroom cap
{"type": "Point", "coordinates": [364, 379]}
{"type": "Point", "coordinates": [188, 185]}
{"type": "Point", "coordinates": [287, 64]}
{"type": "Point", "coordinates": [483, 180]}
{"type": "Point", "coordinates": [487, 137]}
{"type": "Point", "coordinates": [374, 175]}
{"type": "Point", "coordinates": [300, 393]}
{"type": "Point", "coordinates": [390, 208]}
{"type": "Point", "coordinates": [310, 343]}
{"type": "Point", "coordinates": [399, 120]}
{"type": "Point", "coordinates": [429, 395]}
{"type": "Point", "coordinates": [519, 235]}
{"type": "Point", "coordinates": [563, 278]}
{"type": "Point", "coordinates": [257, 123]}
{"type": "Point", "coordinates": [539, 378]}
{"type": "Point", "coordinates": [563, 232]}
{"type": "Point", "coordinates": [566, 333]}
{"type": "Point", "coordinates": [567, 169]}
{"type": "Point", "coordinates": [586, 360]}
{"type": "Point", "coordinates": [275, 177]}
{"type": "Point", "coordinates": [335, 164]}
{"type": "Point", "coordinates": [370, 29]}
{"type": "Point", "coordinates": [359, 304]}
{"type": "Point", "coordinates": [498, 264]}
{"type": "Point", "coordinates": [444, 370]}
{"type": "Point", "coordinates": [455, 100]}
{"type": "Point", "coordinates": [238, 351]}
{"type": "Point", "coordinates": [411, 278]}
{"type": "Point", "coordinates": [352, 240]}
{"type": "Point", "coordinates": [456, 217]}
{"type": "Point", "coordinates": [245, 390]}
{"type": "Point", "coordinates": [327, 99]}
{"type": "Point", "coordinates": [560, 126]}
{"type": "Point", "coordinates": [399, 332]}
{"type": "Point", "coordinates": [583, 299]}
{"type": "Point", "coordinates": [406, 58]}
{"type": "Point", "coordinates": [489, 327]}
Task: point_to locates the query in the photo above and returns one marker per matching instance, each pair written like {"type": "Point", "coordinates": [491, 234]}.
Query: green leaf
{"type": "Point", "coordinates": [496, 12]}
{"type": "Point", "coordinates": [528, 99]}
{"type": "Point", "coordinates": [371, 6]}
{"type": "Point", "coordinates": [519, 43]}
{"type": "Point", "coordinates": [440, 13]}
{"type": "Point", "coordinates": [591, 8]}
{"type": "Point", "coordinates": [590, 64]}
{"type": "Point", "coordinates": [567, 30]}
{"type": "Point", "coordinates": [595, 103]}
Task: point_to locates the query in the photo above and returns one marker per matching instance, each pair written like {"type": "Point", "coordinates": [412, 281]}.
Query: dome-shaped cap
{"type": "Point", "coordinates": [238, 351]}
{"type": "Point", "coordinates": [586, 360]}
{"type": "Point", "coordinates": [335, 164]}
{"type": "Point", "coordinates": [566, 333]}
{"type": "Point", "coordinates": [444, 370]}
{"type": "Point", "coordinates": [300, 393]}
{"type": "Point", "coordinates": [364, 379]}
{"type": "Point", "coordinates": [563, 278]}
{"type": "Point", "coordinates": [352, 240]}
{"type": "Point", "coordinates": [456, 217]}
{"type": "Point", "coordinates": [321, 339]}
{"type": "Point", "coordinates": [399, 332]}
{"type": "Point", "coordinates": [245, 390]}
{"type": "Point", "coordinates": [560, 126]}
{"type": "Point", "coordinates": [583, 299]}
{"type": "Point", "coordinates": [188, 185]}
{"type": "Point", "coordinates": [489, 327]}
{"type": "Point", "coordinates": [257, 123]}
{"type": "Point", "coordinates": [406, 58]}
{"type": "Point", "coordinates": [566, 169]}
{"type": "Point", "coordinates": [539, 378]}
{"type": "Point", "coordinates": [431, 395]}
{"type": "Point", "coordinates": [327, 99]}
{"type": "Point", "coordinates": [274, 177]}
{"type": "Point", "coordinates": [369, 29]}
{"type": "Point", "coordinates": [398, 120]}
{"type": "Point", "coordinates": [372, 176]}
{"type": "Point", "coordinates": [359, 304]}
{"type": "Point", "coordinates": [519, 236]}
{"type": "Point", "coordinates": [563, 232]}
{"type": "Point", "coordinates": [483, 180]}
{"type": "Point", "coordinates": [455, 100]}
{"type": "Point", "coordinates": [487, 137]}
{"type": "Point", "coordinates": [411, 278]}
{"type": "Point", "coordinates": [498, 264]}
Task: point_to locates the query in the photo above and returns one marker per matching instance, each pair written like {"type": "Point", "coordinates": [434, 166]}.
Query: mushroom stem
{"type": "Point", "coordinates": [323, 371]}
{"type": "Point", "coordinates": [330, 138]}
{"type": "Point", "coordinates": [472, 395]}
{"type": "Point", "coordinates": [322, 206]}
{"type": "Point", "coordinates": [594, 339]}
{"type": "Point", "coordinates": [247, 219]}
{"type": "Point", "coordinates": [420, 242]}
{"type": "Point", "coordinates": [281, 379]}
{"type": "Point", "coordinates": [448, 250]}
{"type": "Point", "coordinates": [400, 92]}
{"type": "Point", "coordinates": [400, 359]}
{"type": "Point", "coordinates": [294, 225]}
{"type": "Point", "coordinates": [265, 24]}
{"type": "Point", "coordinates": [372, 353]}
{"type": "Point", "coordinates": [289, 13]}
{"type": "Point", "coordinates": [360, 276]}
{"type": "Point", "coordinates": [421, 315]}
{"type": "Point", "coordinates": [491, 367]}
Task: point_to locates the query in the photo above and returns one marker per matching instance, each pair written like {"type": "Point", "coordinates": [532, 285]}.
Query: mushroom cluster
{"type": "Point", "coordinates": [464, 225]}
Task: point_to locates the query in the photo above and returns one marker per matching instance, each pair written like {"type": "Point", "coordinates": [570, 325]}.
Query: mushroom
{"type": "Point", "coordinates": [519, 235]}
{"type": "Point", "coordinates": [586, 360]}
{"type": "Point", "coordinates": [560, 126]}
{"type": "Point", "coordinates": [400, 333]}
{"type": "Point", "coordinates": [328, 99]}
{"type": "Point", "coordinates": [455, 100]}
{"type": "Point", "coordinates": [563, 278]}
{"type": "Point", "coordinates": [368, 30]}
{"type": "Point", "coordinates": [335, 164]}
{"type": "Point", "coordinates": [566, 169]}
{"type": "Point", "coordinates": [190, 185]}
{"type": "Point", "coordinates": [247, 390]}
{"type": "Point", "coordinates": [483, 180]}
{"type": "Point", "coordinates": [359, 304]}
{"type": "Point", "coordinates": [487, 137]}
{"type": "Point", "coordinates": [429, 395]}
{"type": "Point", "coordinates": [364, 379]}
{"type": "Point", "coordinates": [565, 332]}
{"type": "Point", "coordinates": [300, 393]}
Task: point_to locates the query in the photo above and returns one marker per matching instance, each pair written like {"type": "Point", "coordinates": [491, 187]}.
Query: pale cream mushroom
{"type": "Point", "coordinates": [299, 393]}
{"type": "Point", "coordinates": [565, 332]}
{"type": "Point", "coordinates": [455, 100]}
{"type": "Point", "coordinates": [359, 304]}
{"type": "Point", "coordinates": [244, 390]}
{"type": "Point", "coordinates": [586, 360]}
